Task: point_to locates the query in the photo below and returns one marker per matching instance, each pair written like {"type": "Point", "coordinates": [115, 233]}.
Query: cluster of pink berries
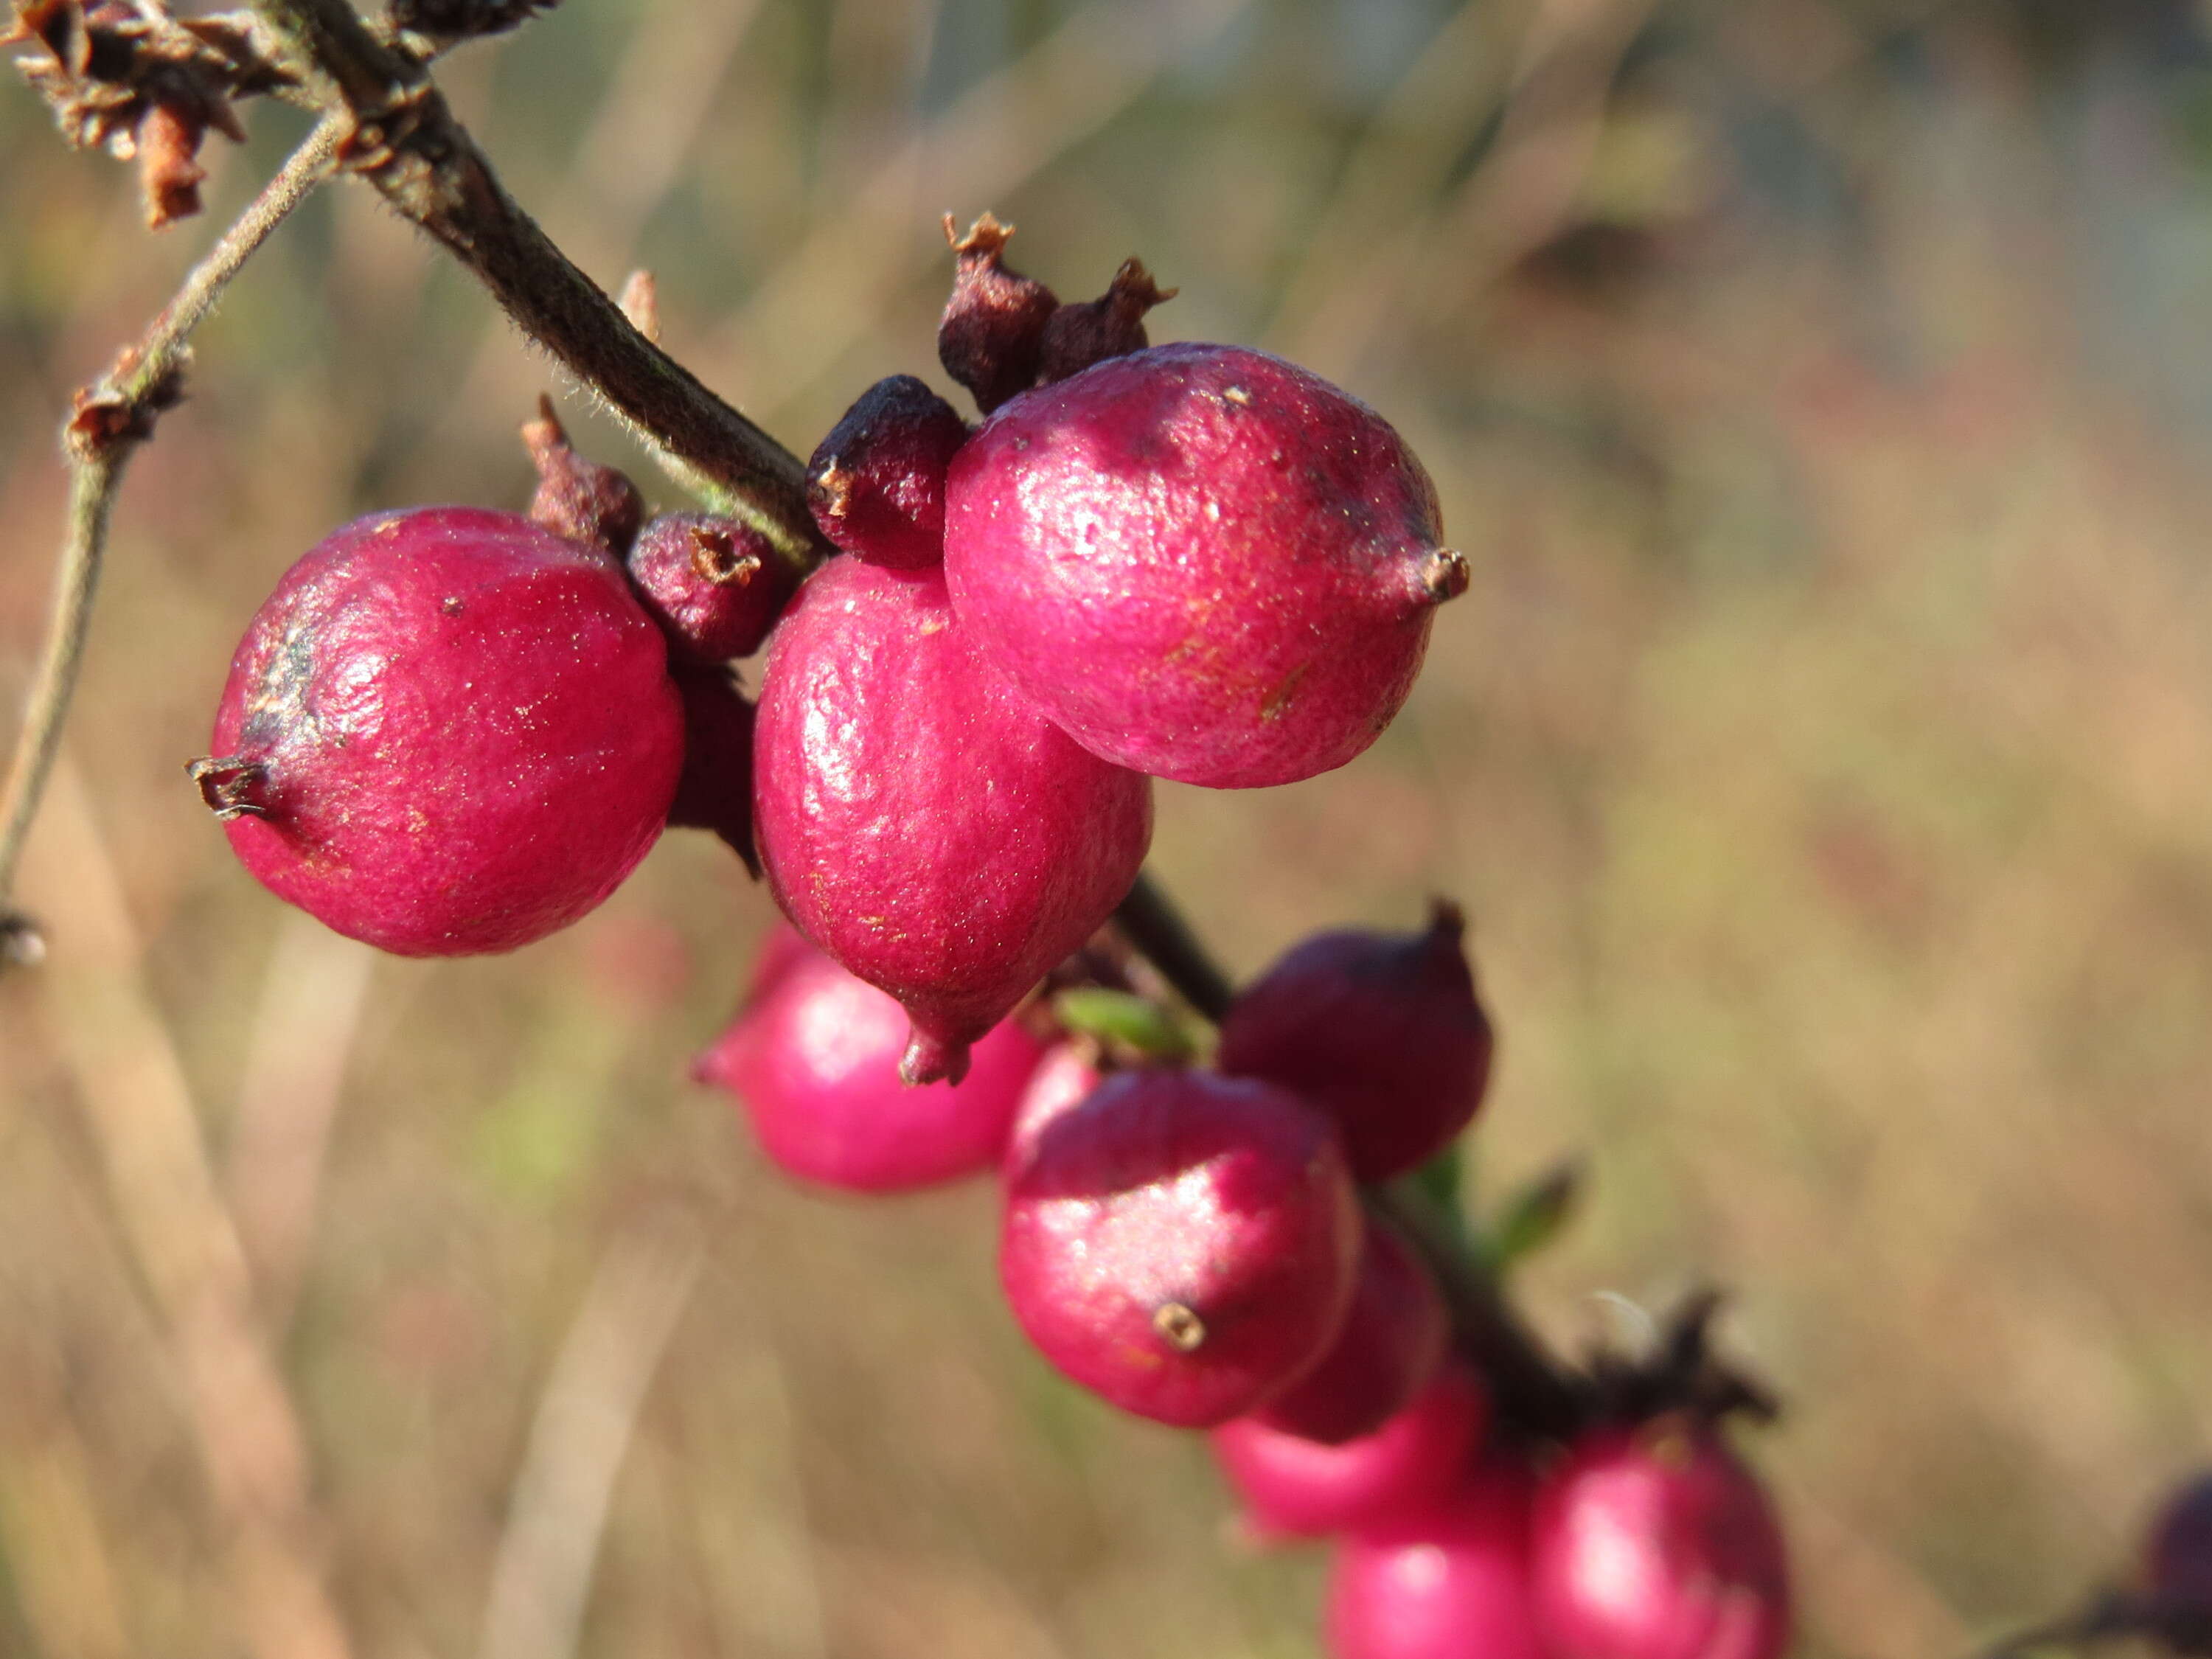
{"type": "Point", "coordinates": [453, 731]}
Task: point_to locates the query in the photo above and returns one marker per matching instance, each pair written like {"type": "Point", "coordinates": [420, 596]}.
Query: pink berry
{"type": "Point", "coordinates": [449, 731]}
{"type": "Point", "coordinates": [814, 1060]}
{"type": "Point", "coordinates": [1654, 1541]}
{"type": "Point", "coordinates": [715, 585]}
{"type": "Point", "coordinates": [917, 823]}
{"type": "Point", "coordinates": [1383, 1030]}
{"type": "Point", "coordinates": [1202, 562]}
{"type": "Point", "coordinates": [1182, 1243]}
{"type": "Point", "coordinates": [2178, 1565]}
{"type": "Point", "coordinates": [1062, 1081]}
{"type": "Point", "coordinates": [993, 331]}
{"type": "Point", "coordinates": [1392, 1341]}
{"type": "Point", "coordinates": [1294, 1487]}
{"type": "Point", "coordinates": [877, 482]}
{"type": "Point", "coordinates": [1448, 1584]}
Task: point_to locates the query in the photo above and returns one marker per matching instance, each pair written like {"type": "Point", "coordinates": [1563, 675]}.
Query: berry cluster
{"type": "Point", "coordinates": [453, 731]}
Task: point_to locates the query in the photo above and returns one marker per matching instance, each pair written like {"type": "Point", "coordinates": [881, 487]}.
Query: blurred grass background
{"type": "Point", "coordinates": [1822, 389]}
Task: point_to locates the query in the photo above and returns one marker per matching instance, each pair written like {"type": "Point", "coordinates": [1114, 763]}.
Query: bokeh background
{"type": "Point", "coordinates": [1823, 752]}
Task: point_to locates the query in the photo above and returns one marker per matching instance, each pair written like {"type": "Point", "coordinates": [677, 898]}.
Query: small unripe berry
{"type": "Point", "coordinates": [876, 484]}
{"type": "Point", "coordinates": [1383, 1030]}
{"type": "Point", "coordinates": [814, 1060]}
{"type": "Point", "coordinates": [1202, 561]}
{"type": "Point", "coordinates": [1392, 1339]}
{"type": "Point", "coordinates": [1294, 1487]}
{"type": "Point", "coordinates": [993, 331]}
{"type": "Point", "coordinates": [449, 731]}
{"type": "Point", "coordinates": [1182, 1243]}
{"type": "Point", "coordinates": [1450, 1583]}
{"type": "Point", "coordinates": [715, 584]}
{"type": "Point", "coordinates": [916, 821]}
{"type": "Point", "coordinates": [1654, 1541]}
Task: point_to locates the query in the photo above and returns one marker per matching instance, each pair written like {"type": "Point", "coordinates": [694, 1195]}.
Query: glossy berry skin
{"type": "Point", "coordinates": [916, 821]}
{"type": "Point", "coordinates": [814, 1061]}
{"type": "Point", "coordinates": [1392, 1341]}
{"type": "Point", "coordinates": [1383, 1030]}
{"type": "Point", "coordinates": [447, 731]}
{"type": "Point", "coordinates": [2177, 1568]}
{"type": "Point", "coordinates": [876, 484]}
{"type": "Point", "coordinates": [1448, 1583]}
{"type": "Point", "coordinates": [715, 586]}
{"type": "Point", "coordinates": [1294, 1487]}
{"type": "Point", "coordinates": [1062, 1081]}
{"type": "Point", "coordinates": [1202, 562]}
{"type": "Point", "coordinates": [1181, 1244]}
{"type": "Point", "coordinates": [1655, 1542]}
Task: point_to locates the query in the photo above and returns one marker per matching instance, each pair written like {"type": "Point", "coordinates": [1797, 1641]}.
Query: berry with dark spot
{"type": "Point", "coordinates": [715, 584]}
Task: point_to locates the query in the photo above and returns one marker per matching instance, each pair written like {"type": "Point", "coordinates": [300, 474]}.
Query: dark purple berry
{"type": "Point", "coordinates": [1111, 325]}
{"type": "Point", "coordinates": [2177, 1564]}
{"type": "Point", "coordinates": [715, 584]}
{"type": "Point", "coordinates": [1383, 1030]}
{"type": "Point", "coordinates": [877, 482]}
{"type": "Point", "coordinates": [715, 792]}
{"type": "Point", "coordinates": [993, 331]}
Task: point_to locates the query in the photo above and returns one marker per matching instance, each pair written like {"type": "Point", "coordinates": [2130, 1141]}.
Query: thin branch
{"type": "Point", "coordinates": [408, 144]}
{"type": "Point", "coordinates": [1150, 920]}
{"type": "Point", "coordinates": [109, 420]}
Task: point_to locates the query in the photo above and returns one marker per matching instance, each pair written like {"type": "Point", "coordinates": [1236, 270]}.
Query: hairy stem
{"type": "Point", "coordinates": [407, 143]}
{"type": "Point", "coordinates": [1531, 1391]}
{"type": "Point", "coordinates": [111, 418]}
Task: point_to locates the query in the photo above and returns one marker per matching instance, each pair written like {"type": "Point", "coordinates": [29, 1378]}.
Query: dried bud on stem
{"type": "Point", "coordinates": [992, 330]}
{"type": "Point", "coordinates": [577, 498]}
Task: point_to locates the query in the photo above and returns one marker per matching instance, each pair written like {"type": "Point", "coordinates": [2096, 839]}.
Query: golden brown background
{"type": "Point", "coordinates": [1825, 753]}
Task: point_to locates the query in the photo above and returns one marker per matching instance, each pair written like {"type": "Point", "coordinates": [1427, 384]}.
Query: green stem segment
{"type": "Point", "coordinates": [111, 418]}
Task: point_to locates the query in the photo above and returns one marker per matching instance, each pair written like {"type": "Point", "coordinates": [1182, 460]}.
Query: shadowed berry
{"type": "Point", "coordinates": [1294, 1487]}
{"type": "Point", "coordinates": [715, 585]}
{"type": "Point", "coordinates": [1382, 1028]}
{"type": "Point", "coordinates": [993, 331]}
{"type": "Point", "coordinates": [1203, 563]}
{"type": "Point", "coordinates": [1389, 1348]}
{"type": "Point", "coordinates": [715, 790]}
{"type": "Point", "coordinates": [1182, 1243]}
{"type": "Point", "coordinates": [877, 482]}
{"type": "Point", "coordinates": [2177, 1565]}
{"type": "Point", "coordinates": [1064, 1079]}
{"type": "Point", "coordinates": [1653, 1541]}
{"type": "Point", "coordinates": [814, 1060]}
{"type": "Point", "coordinates": [1450, 1583]}
{"type": "Point", "coordinates": [449, 731]}
{"type": "Point", "coordinates": [916, 821]}
{"type": "Point", "coordinates": [1111, 325]}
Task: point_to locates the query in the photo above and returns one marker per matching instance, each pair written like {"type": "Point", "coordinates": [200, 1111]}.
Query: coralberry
{"type": "Point", "coordinates": [1450, 1582]}
{"type": "Point", "coordinates": [814, 1060]}
{"type": "Point", "coordinates": [916, 821]}
{"type": "Point", "coordinates": [876, 484]}
{"type": "Point", "coordinates": [449, 731]}
{"type": "Point", "coordinates": [1202, 562]}
{"type": "Point", "coordinates": [1392, 1339]}
{"type": "Point", "coordinates": [1653, 1541]}
{"type": "Point", "coordinates": [715, 585]}
{"type": "Point", "coordinates": [1184, 1244]}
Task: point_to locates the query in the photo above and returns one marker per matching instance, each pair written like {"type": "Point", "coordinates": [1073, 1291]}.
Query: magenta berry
{"type": "Point", "coordinates": [715, 584]}
{"type": "Point", "coordinates": [1111, 325]}
{"type": "Point", "coordinates": [1203, 563]}
{"type": "Point", "coordinates": [1294, 1487]}
{"type": "Point", "coordinates": [449, 731]}
{"type": "Point", "coordinates": [1183, 1244]}
{"type": "Point", "coordinates": [2178, 1567]}
{"type": "Point", "coordinates": [1448, 1584]}
{"type": "Point", "coordinates": [916, 821]}
{"type": "Point", "coordinates": [1392, 1341]}
{"type": "Point", "coordinates": [1653, 1541]}
{"type": "Point", "coordinates": [715, 789]}
{"type": "Point", "coordinates": [877, 482]}
{"type": "Point", "coordinates": [1385, 1029]}
{"type": "Point", "coordinates": [1062, 1081]}
{"type": "Point", "coordinates": [992, 334]}
{"type": "Point", "coordinates": [814, 1060]}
